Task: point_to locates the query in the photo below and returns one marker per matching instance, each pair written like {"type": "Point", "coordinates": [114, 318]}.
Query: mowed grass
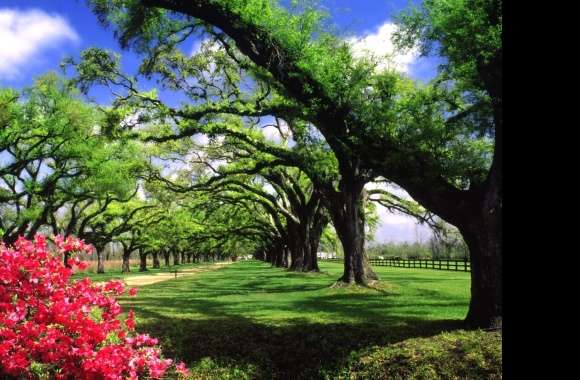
{"type": "Point", "coordinates": [251, 321]}
{"type": "Point", "coordinates": [274, 296]}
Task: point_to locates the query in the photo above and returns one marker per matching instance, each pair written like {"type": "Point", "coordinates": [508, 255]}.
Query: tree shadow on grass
{"type": "Point", "coordinates": [300, 350]}
{"type": "Point", "coordinates": [233, 317]}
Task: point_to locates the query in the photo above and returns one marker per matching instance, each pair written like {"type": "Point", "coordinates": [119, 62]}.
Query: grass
{"type": "Point", "coordinates": [251, 321]}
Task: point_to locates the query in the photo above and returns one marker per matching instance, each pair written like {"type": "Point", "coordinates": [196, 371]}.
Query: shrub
{"type": "Point", "coordinates": [451, 355]}
{"type": "Point", "coordinates": [52, 327]}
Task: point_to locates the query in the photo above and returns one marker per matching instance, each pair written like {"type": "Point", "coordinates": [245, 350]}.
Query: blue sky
{"type": "Point", "coordinates": [35, 35]}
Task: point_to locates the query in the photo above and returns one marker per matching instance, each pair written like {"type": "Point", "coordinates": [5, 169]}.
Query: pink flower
{"type": "Point", "coordinates": [48, 318]}
{"type": "Point", "coordinates": [130, 321]}
{"type": "Point", "coordinates": [182, 369]}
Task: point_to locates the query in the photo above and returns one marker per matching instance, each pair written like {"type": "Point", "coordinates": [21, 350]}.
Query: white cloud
{"type": "Point", "coordinates": [401, 232]}
{"type": "Point", "coordinates": [390, 187]}
{"type": "Point", "coordinates": [24, 34]}
{"type": "Point", "coordinates": [397, 227]}
{"type": "Point", "coordinates": [273, 134]}
{"type": "Point", "coordinates": [380, 46]}
{"type": "Point", "coordinates": [400, 228]}
{"type": "Point", "coordinates": [200, 139]}
{"type": "Point", "coordinates": [205, 44]}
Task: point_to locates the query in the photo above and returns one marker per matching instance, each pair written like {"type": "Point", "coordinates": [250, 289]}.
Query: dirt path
{"type": "Point", "coordinates": [165, 276]}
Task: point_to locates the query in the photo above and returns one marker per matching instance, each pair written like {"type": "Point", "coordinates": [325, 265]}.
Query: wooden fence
{"type": "Point", "coordinates": [443, 264]}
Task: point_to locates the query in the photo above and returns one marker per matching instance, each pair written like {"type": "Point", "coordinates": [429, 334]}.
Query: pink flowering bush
{"type": "Point", "coordinates": [52, 327]}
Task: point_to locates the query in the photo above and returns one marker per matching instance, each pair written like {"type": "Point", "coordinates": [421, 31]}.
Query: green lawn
{"type": "Point", "coordinates": [248, 320]}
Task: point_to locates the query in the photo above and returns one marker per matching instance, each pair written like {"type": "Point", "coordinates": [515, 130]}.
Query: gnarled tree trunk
{"type": "Point", "coordinates": [175, 257]}
{"type": "Point", "coordinates": [483, 235]}
{"type": "Point", "coordinates": [296, 245]}
{"type": "Point", "coordinates": [347, 211]}
{"type": "Point", "coordinates": [319, 222]}
{"type": "Point", "coordinates": [166, 257]}
{"type": "Point", "coordinates": [156, 264]}
{"type": "Point", "coordinates": [126, 257]}
{"type": "Point", "coordinates": [100, 260]}
{"type": "Point", "coordinates": [142, 260]}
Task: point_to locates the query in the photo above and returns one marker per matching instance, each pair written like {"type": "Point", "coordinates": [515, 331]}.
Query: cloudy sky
{"type": "Point", "coordinates": [36, 34]}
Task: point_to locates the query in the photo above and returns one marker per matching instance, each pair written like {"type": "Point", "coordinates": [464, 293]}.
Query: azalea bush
{"type": "Point", "coordinates": [53, 327]}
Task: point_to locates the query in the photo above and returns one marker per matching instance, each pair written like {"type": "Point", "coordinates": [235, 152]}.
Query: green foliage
{"type": "Point", "coordinates": [62, 171]}
{"type": "Point", "coordinates": [467, 32]}
{"type": "Point", "coordinates": [450, 355]}
{"type": "Point", "coordinates": [207, 368]}
{"type": "Point", "coordinates": [447, 128]}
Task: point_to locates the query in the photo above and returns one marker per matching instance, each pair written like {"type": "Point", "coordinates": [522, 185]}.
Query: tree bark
{"type": "Point", "coordinates": [296, 245]}
{"type": "Point", "coordinates": [166, 257]}
{"type": "Point", "coordinates": [126, 257]}
{"type": "Point", "coordinates": [142, 260]}
{"type": "Point", "coordinates": [485, 307]}
{"type": "Point", "coordinates": [347, 211]}
{"type": "Point", "coordinates": [319, 222]}
{"type": "Point", "coordinates": [483, 235]}
{"type": "Point", "coordinates": [286, 259]}
{"type": "Point", "coordinates": [175, 257]}
{"type": "Point", "coordinates": [156, 264]}
{"type": "Point", "coordinates": [100, 260]}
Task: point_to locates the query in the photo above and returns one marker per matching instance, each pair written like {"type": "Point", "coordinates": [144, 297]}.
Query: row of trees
{"type": "Point", "coordinates": [60, 173]}
{"type": "Point", "coordinates": [350, 122]}
{"type": "Point", "coordinates": [142, 177]}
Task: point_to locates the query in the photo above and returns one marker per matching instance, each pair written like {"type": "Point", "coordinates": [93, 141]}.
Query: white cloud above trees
{"type": "Point", "coordinates": [25, 34]}
{"type": "Point", "coordinates": [380, 46]}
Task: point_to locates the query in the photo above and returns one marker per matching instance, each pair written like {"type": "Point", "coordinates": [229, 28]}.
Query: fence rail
{"type": "Point", "coordinates": [444, 264]}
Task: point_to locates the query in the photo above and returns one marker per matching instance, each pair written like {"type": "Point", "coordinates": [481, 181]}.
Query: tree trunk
{"type": "Point", "coordinates": [319, 222]}
{"type": "Point", "coordinates": [270, 255]}
{"type": "Point", "coordinates": [347, 211]}
{"type": "Point", "coordinates": [281, 254]}
{"type": "Point", "coordinates": [166, 257]}
{"type": "Point", "coordinates": [485, 307]}
{"type": "Point", "coordinates": [297, 245]}
{"type": "Point", "coordinates": [100, 261]}
{"type": "Point", "coordinates": [156, 264]}
{"type": "Point", "coordinates": [126, 257]}
{"type": "Point", "coordinates": [182, 257]}
{"type": "Point", "coordinates": [175, 257]}
{"type": "Point", "coordinates": [286, 260]}
{"type": "Point", "coordinates": [65, 259]}
{"type": "Point", "coordinates": [142, 260]}
{"type": "Point", "coordinates": [483, 235]}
